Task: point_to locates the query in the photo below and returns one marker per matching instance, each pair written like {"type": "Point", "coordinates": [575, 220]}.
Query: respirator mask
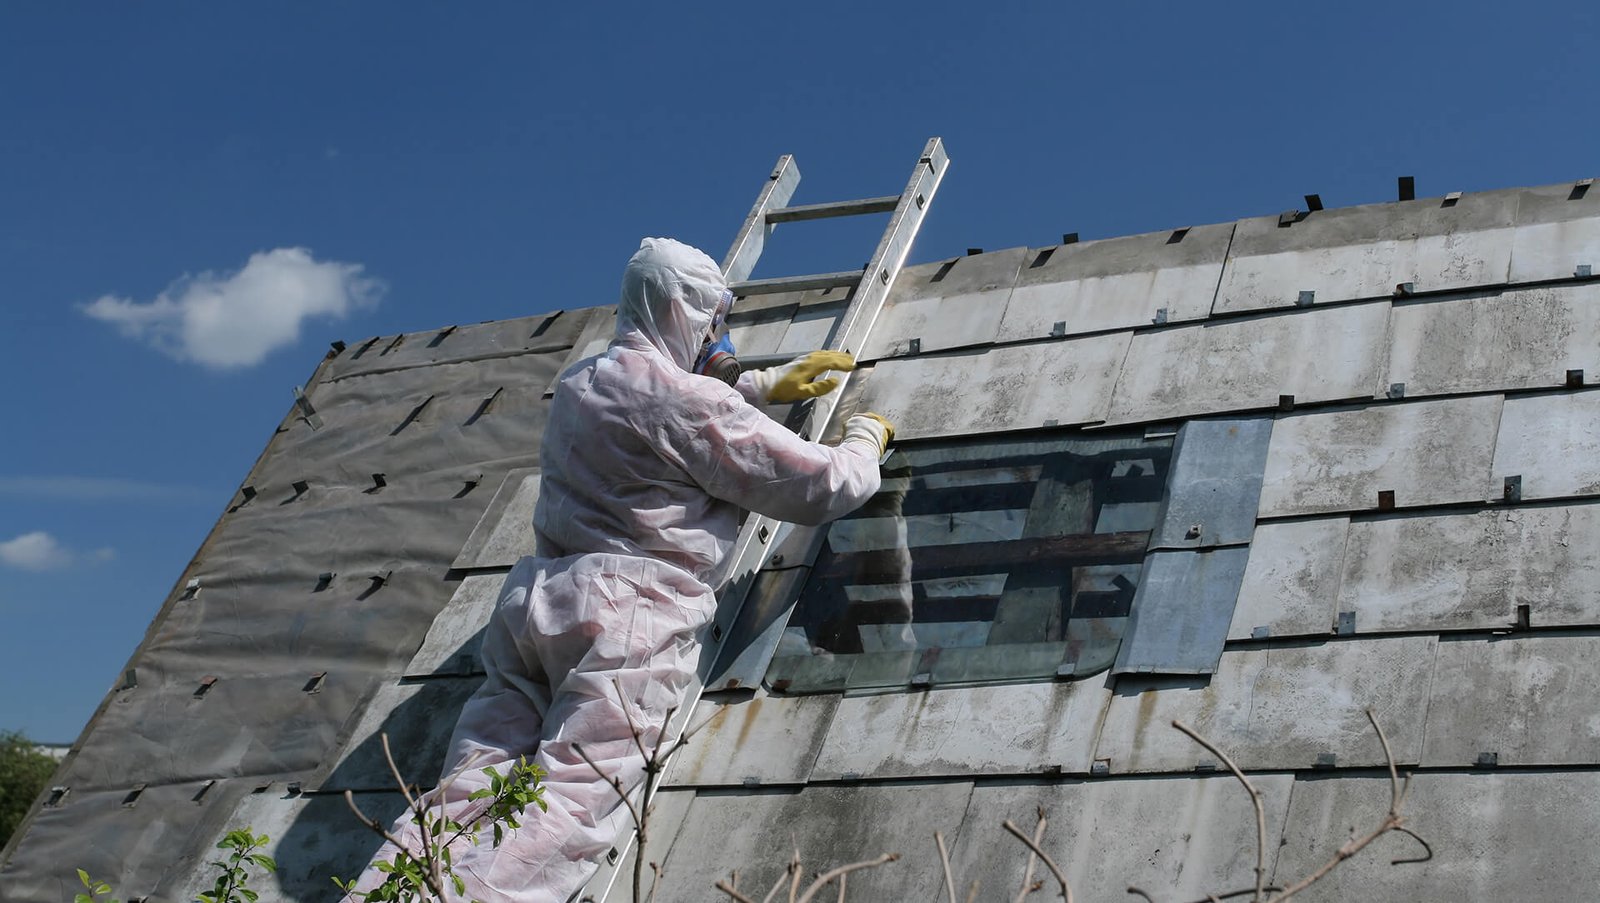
{"type": "Point", "coordinates": [717, 358]}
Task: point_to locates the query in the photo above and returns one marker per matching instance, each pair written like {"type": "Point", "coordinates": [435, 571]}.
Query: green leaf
{"type": "Point", "coordinates": [249, 894]}
{"type": "Point", "coordinates": [83, 898]}
{"type": "Point", "coordinates": [265, 861]}
{"type": "Point", "coordinates": [461, 886]}
{"type": "Point", "coordinates": [84, 877]}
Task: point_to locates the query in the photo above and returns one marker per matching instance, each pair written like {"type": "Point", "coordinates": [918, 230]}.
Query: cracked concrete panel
{"type": "Point", "coordinates": [759, 740]}
{"type": "Point", "coordinates": [1116, 283]}
{"type": "Point", "coordinates": [1291, 582]}
{"type": "Point", "coordinates": [1551, 444]}
{"type": "Point", "coordinates": [1558, 230]}
{"type": "Point", "coordinates": [1494, 837]}
{"type": "Point", "coordinates": [1176, 838]}
{"type": "Point", "coordinates": [1242, 364]}
{"type": "Point", "coordinates": [1349, 253]}
{"type": "Point", "coordinates": [1513, 339]}
{"type": "Point", "coordinates": [456, 636]}
{"type": "Point", "coordinates": [955, 303]}
{"type": "Point", "coordinates": [755, 832]}
{"type": "Point", "coordinates": [1426, 453]}
{"type": "Point", "coordinates": [1530, 702]}
{"type": "Point", "coordinates": [1014, 729]}
{"type": "Point", "coordinates": [1003, 388]}
{"type": "Point", "coordinates": [1277, 707]}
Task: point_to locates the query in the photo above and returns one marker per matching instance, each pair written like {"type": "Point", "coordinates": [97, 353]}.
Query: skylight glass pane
{"type": "Point", "coordinates": [980, 560]}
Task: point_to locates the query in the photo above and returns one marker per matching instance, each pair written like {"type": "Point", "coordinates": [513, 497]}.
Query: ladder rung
{"type": "Point", "coordinates": [835, 208]}
{"type": "Point", "coordinates": [796, 283]}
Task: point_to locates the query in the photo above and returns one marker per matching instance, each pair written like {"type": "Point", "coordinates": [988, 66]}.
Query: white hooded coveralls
{"type": "Point", "coordinates": [645, 469]}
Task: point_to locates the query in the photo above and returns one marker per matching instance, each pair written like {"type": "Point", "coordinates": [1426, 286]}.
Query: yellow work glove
{"type": "Point", "coordinates": [797, 380]}
{"type": "Point", "coordinates": [870, 428]}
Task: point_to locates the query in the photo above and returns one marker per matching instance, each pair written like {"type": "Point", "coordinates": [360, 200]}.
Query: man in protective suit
{"type": "Point", "coordinates": [646, 465]}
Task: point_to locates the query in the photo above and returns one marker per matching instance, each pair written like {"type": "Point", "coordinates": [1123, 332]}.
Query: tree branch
{"type": "Point", "coordinates": [1255, 800]}
{"type": "Point", "coordinates": [1066, 889]}
{"type": "Point", "coordinates": [841, 871]}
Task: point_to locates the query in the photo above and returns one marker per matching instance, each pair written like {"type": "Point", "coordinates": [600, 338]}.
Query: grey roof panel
{"type": "Point", "coordinates": [1425, 452]}
{"type": "Point", "coordinates": [1551, 444]}
{"type": "Point", "coordinates": [1277, 707]}
{"type": "Point", "coordinates": [1214, 487]}
{"type": "Point", "coordinates": [1558, 230]}
{"type": "Point", "coordinates": [1525, 700]}
{"type": "Point", "coordinates": [1005, 729]}
{"type": "Point", "coordinates": [1514, 339]}
{"type": "Point", "coordinates": [1233, 365]}
{"type": "Point", "coordinates": [742, 659]}
{"type": "Point", "coordinates": [1177, 838]}
{"type": "Point", "coordinates": [762, 740]}
{"type": "Point", "coordinates": [456, 636]}
{"type": "Point", "coordinates": [1472, 570]}
{"type": "Point", "coordinates": [1181, 612]}
{"type": "Point", "coordinates": [1291, 582]}
{"type": "Point", "coordinates": [955, 303]}
{"type": "Point", "coordinates": [418, 717]}
{"type": "Point", "coordinates": [1003, 388]}
{"type": "Point", "coordinates": [755, 833]}
{"type": "Point", "coordinates": [1116, 283]}
{"type": "Point", "coordinates": [505, 531]}
{"type": "Point", "coordinates": [595, 336]}
{"type": "Point", "coordinates": [1471, 820]}
{"type": "Point", "coordinates": [1365, 252]}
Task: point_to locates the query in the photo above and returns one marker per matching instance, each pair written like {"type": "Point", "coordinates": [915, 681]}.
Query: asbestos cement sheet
{"type": "Point", "coordinates": [1550, 444]}
{"type": "Point", "coordinates": [1176, 838]}
{"type": "Point", "coordinates": [1527, 700]}
{"type": "Point", "coordinates": [1425, 452]}
{"type": "Point", "coordinates": [750, 741]}
{"type": "Point", "coordinates": [418, 717]}
{"type": "Point", "coordinates": [816, 322]}
{"type": "Point", "coordinates": [314, 838]}
{"type": "Point", "coordinates": [505, 532]}
{"type": "Point", "coordinates": [1222, 366]}
{"type": "Point", "coordinates": [1214, 487]}
{"type": "Point", "coordinates": [755, 833]}
{"type": "Point", "coordinates": [1365, 252]}
{"type": "Point", "coordinates": [1004, 388]}
{"type": "Point", "coordinates": [955, 303]}
{"type": "Point", "coordinates": [1558, 230]}
{"type": "Point", "coordinates": [456, 636]}
{"type": "Point", "coordinates": [1472, 570]}
{"type": "Point", "coordinates": [1291, 582]}
{"type": "Point", "coordinates": [1116, 283]}
{"type": "Point", "coordinates": [1282, 706]}
{"type": "Point", "coordinates": [539, 334]}
{"type": "Point", "coordinates": [1181, 612]}
{"type": "Point", "coordinates": [1513, 339]}
{"type": "Point", "coordinates": [1494, 836]}
{"type": "Point", "coordinates": [594, 338]}
{"type": "Point", "coordinates": [1014, 729]}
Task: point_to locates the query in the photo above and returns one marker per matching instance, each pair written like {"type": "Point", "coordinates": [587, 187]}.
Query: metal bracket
{"type": "Point", "coordinates": [132, 798]}
{"type": "Point", "coordinates": [1451, 199]}
{"type": "Point", "coordinates": [1396, 391]}
{"type": "Point", "coordinates": [1386, 500]}
{"type": "Point", "coordinates": [306, 410]}
{"type": "Point", "coordinates": [190, 590]}
{"type": "Point", "coordinates": [1584, 271]}
{"type": "Point", "coordinates": [1160, 318]}
{"type": "Point", "coordinates": [1512, 491]}
{"type": "Point", "coordinates": [1407, 186]}
{"type": "Point", "coordinates": [1574, 379]}
{"type": "Point", "coordinates": [1100, 767]}
{"type": "Point", "coordinates": [1306, 299]}
{"type": "Point", "coordinates": [1313, 202]}
{"type": "Point", "coordinates": [1325, 760]}
{"type": "Point", "coordinates": [1346, 625]}
{"type": "Point", "coordinates": [1405, 289]}
{"type": "Point", "coordinates": [1261, 633]}
{"type": "Point", "coordinates": [314, 685]}
{"type": "Point", "coordinates": [1069, 238]}
{"type": "Point", "coordinates": [1059, 329]}
{"type": "Point", "coordinates": [1285, 402]}
{"type": "Point", "coordinates": [1487, 760]}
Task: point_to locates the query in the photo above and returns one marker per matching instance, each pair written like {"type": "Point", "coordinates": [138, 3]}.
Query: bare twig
{"type": "Point", "coordinates": [1426, 848]}
{"type": "Point", "coordinates": [843, 880]}
{"type": "Point", "coordinates": [1066, 889]}
{"type": "Point", "coordinates": [841, 871]}
{"type": "Point", "coordinates": [655, 881]}
{"type": "Point", "coordinates": [1028, 884]}
{"type": "Point", "coordinates": [1139, 893]}
{"type": "Point", "coordinates": [726, 888]}
{"type": "Point", "coordinates": [944, 860]}
{"type": "Point", "coordinates": [1271, 889]}
{"type": "Point", "coordinates": [432, 875]}
{"type": "Point", "coordinates": [972, 892]}
{"type": "Point", "coordinates": [1255, 800]}
{"type": "Point", "coordinates": [1393, 820]}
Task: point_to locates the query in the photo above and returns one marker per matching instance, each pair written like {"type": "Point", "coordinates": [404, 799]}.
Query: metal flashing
{"type": "Point", "coordinates": [1214, 486]}
{"type": "Point", "coordinates": [1181, 612]}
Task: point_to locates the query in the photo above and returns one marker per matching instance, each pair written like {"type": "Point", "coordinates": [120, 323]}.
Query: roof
{"type": "Point", "coordinates": [1383, 493]}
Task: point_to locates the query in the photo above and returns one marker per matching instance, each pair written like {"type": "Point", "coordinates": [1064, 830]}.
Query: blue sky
{"type": "Point", "coordinates": [163, 166]}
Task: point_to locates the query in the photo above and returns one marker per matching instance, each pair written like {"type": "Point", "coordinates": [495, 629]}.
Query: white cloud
{"type": "Point", "coordinates": [36, 551]}
{"type": "Point", "coordinates": [231, 320]}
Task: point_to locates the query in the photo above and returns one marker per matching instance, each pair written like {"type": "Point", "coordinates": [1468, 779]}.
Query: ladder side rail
{"type": "Point", "coordinates": [752, 237]}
